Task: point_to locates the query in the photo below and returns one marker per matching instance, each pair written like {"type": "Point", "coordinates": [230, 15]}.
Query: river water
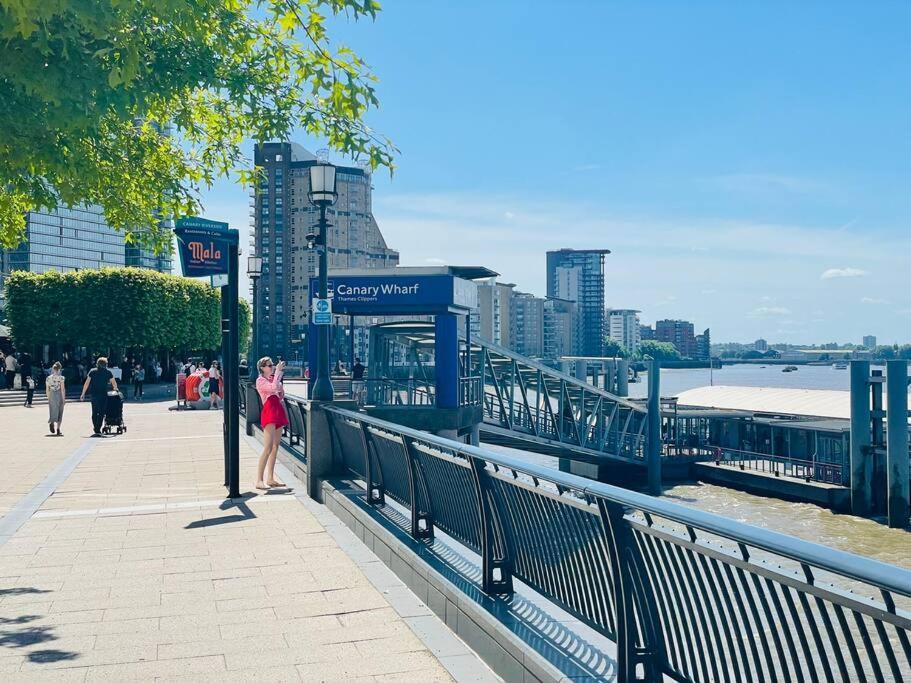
{"type": "Point", "coordinates": [812, 523]}
{"type": "Point", "coordinates": [746, 375]}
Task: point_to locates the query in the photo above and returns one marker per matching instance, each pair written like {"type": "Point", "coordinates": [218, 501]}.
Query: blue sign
{"type": "Point", "coordinates": [399, 294]}
{"type": "Point", "coordinates": [204, 245]}
{"type": "Point", "coordinates": [322, 312]}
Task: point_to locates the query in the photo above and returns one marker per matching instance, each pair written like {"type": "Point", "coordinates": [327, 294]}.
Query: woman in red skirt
{"type": "Point", "coordinates": [273, 419]}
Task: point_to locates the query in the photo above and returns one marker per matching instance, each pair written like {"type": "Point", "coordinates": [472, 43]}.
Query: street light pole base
{"type": "Point", "coordinates": [322, 389]}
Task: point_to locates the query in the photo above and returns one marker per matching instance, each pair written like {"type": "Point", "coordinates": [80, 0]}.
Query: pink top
{"type": "Point", "coordinates": [270, 387]}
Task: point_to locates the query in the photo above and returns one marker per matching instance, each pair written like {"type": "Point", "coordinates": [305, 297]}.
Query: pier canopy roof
{"type": "Point", "coordinates": [820, 403]}
{"type": "Point", "coordinates": [805, 402]}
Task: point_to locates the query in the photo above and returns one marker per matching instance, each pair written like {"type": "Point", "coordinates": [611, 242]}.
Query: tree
{"type": "Point", "coordinates": [88, 86]}
{"type": "Point", "coordinates": [614, 348]}
{"type": "Point", "coordinates": [658, 350]}
{"type": "Point", "coordinates": [147, 309]}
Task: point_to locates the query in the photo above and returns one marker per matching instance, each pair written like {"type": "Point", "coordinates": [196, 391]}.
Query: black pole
{"type": "Point", "coordinates": [232, 402]}
{"type": "Point", "coordinates": [322, 389]}
{"type": "Point", "coordinates": [225, 348]}
{"type": "Point", "coordinates": [351, 345]}
{"type": "Point", "coordinates": [253, 356]}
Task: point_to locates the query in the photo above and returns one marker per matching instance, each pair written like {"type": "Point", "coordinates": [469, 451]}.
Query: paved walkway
{"type": "Point", "coordinates": [119, 560]}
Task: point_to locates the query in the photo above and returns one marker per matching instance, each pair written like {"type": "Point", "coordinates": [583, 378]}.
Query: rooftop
{"type": "Point", "coordinates": [817, 403]}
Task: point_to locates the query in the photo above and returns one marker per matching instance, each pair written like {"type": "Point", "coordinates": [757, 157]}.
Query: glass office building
{"type": "Point", "coordinates": [75, 238]}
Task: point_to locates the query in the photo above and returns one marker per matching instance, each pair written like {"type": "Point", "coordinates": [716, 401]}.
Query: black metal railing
{"type": "Point", "coordinates": [782, 465]}
{"type": "Point", "coordinates": [684, 593]}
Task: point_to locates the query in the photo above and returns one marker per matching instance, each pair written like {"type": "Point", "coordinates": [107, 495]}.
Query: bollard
{"type": "Point", "coordinates": [861, 460]}
{"type": "Point", "coordinates": [622, 378]}
{"type": "Point", "coordinates": [897, 443]}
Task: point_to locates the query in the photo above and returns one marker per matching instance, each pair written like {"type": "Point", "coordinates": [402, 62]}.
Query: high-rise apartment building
{"type": "Point", "coordinates": [704, 345]}
{"type": "Point", "coordinates": [761, 345]}
{"type": "Point", "coordinates": [495, 312]}
{"type": "Point", "coordinates": [560, 329]}
{"type": "Point", "coordinates": [870, 341]}
{"type": "Point", "coordinates": [283, 216]}
{"type": "Point", "coordinates": [76, 238]}
{"type": "Point", "coordinates": [623, 328]}
{"type": "Point", "coordinates": [527, 324]}
{"type": "Point", "coordinates": [679, 333]}
{"type": "Point", "coordinates": [646, 333]}
{"type": "Point", "coordinates": [578, 275]}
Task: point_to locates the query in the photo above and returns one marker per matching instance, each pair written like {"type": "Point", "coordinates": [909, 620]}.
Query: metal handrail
{"type": "Point", "coordinates": [847, 564]}
{"type": "Point", "coordinates": [810, 470]}
{"type": "Point", "coordinates": [684, 593]}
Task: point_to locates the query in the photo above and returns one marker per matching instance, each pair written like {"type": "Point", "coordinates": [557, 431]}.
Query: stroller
{"type": "Point", "coordinates": [113, 414]}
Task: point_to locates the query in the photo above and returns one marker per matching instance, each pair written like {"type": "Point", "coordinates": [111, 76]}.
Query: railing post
{"type": "Point", "coordinates": [653, 434]}
{"type": "Point", "coordinates": [632, 595]}
{"type": "Point", "coordinates": [253, 407]}
{"type": "Point", "coordinates": [320, 460]}
{"type": "Point", "coordinates": [496, 557]}
{"type": "Point", "coordinates": [376, 493]}
{"type": "Point", "coordinates": [421, 520]}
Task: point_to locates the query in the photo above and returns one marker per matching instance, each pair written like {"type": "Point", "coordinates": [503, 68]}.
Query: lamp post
{"type": "Point", "coordinates": [322, 195]}
{"type": "Point", "coordinates": [254, 271]}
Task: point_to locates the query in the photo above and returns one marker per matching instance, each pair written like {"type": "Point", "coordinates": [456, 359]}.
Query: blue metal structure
{"type": "Point", "coordinates": [685, 594]}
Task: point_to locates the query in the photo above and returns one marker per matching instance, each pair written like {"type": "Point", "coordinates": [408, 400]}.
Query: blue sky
{"type": "Point", "coordinates": [747, 163]}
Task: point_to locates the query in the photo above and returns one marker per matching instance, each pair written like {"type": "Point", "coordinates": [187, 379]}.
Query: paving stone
{"type": "Point", "coordinates": [148, 578]}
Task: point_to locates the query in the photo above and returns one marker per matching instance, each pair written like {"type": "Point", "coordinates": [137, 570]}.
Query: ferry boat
{"type": "Point", "coordinates": [840, 365]}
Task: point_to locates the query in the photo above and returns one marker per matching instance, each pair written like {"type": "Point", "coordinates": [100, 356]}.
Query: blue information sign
{"type": "Point", "coordinates": [203, 246]}
{"type": "Point", "coordinates": [399, 294]}
{"type": "Point", "coordinates": [322, 312]}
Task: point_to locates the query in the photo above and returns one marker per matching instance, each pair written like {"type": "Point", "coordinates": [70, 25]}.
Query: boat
{"type": "Point", "coordinates": [790, 368]}
{"type": "Point", "coordinates": [840, 365]}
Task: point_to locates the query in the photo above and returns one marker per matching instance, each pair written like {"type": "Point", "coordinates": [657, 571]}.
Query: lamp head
{"type": "Point", "coordinates": [322, 184]}
{"type": "Point", "coordinates": [254, 266]}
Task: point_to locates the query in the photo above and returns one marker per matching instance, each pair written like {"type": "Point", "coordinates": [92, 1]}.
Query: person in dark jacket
{"type": "Point", "coordinates": [96, 385]}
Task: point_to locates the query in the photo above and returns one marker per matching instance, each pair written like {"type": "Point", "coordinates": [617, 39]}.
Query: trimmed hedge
{"type": "Point", "coordinates": [117, 308]}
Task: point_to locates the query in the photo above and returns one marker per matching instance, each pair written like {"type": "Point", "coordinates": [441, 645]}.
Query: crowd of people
{"type": "Point", "coordinates": [21, 373]}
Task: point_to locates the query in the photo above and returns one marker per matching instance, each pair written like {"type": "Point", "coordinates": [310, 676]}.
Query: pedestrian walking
{"type": "Point", "coordinates": [273, 419]}
{"type": "Point", "coordinates": [25, 367]}
{"type": "Point", "coordinates": [139, 378]}
{"type": "Point", "coordinates": [55, 388]}
{"type": "Point", "coordinates": [157, 372]}
{"type": "Point", "coordinates": [357, 381]}
{"type": "Point", "coordinates": [96, 385]}
{"type": "Point", "coordinates": [29, 386]}
{"type": "Point", "coordinates": [214, 384]}
{"type": "Point", "coordinates": [12, 365]}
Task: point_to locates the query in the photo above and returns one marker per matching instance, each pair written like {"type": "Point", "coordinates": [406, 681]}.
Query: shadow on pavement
{"type": "Point", "coordinates": [15, 634]}
{"type": "Point", "coordinates": [246, 513]}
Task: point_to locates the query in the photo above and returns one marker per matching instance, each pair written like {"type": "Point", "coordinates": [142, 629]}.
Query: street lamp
{"type": "Point", "coordinates": [254, 272]}
{"type": "Point", "coordinates": [322, 195]}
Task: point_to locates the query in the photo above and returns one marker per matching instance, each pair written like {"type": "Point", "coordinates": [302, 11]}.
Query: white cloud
{"type": "Point", "coordinates": [872, 300]}
{"type": "Point", "coordinates": [842, 272]}
{"type": "Point", "coordinates": [767, 183]}
{"type": "Point", "coordinates": [764, 311]}
{"type": "Point", "coordinates": [509, 215]}
{"type": "Point", "coordinates": [651, 257]}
